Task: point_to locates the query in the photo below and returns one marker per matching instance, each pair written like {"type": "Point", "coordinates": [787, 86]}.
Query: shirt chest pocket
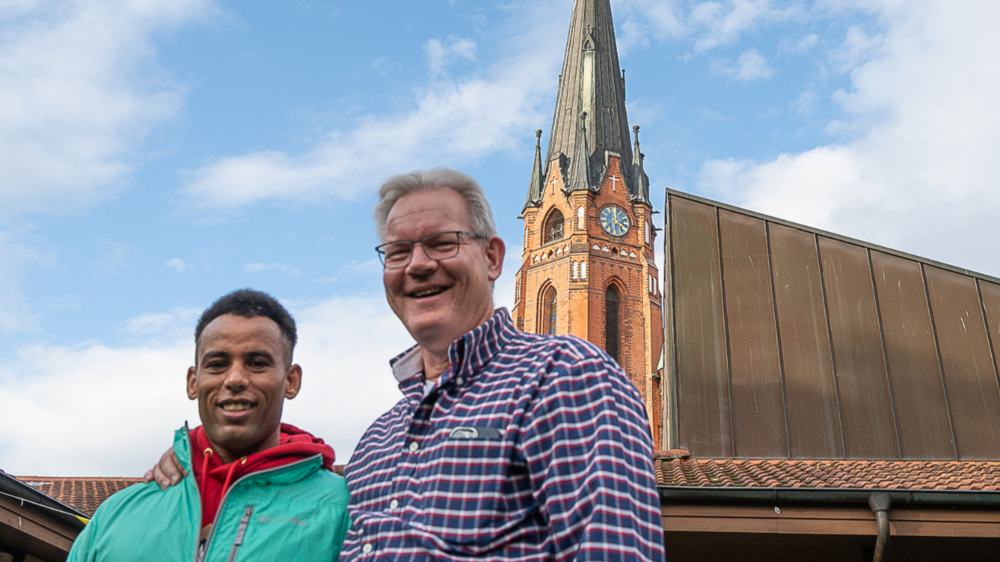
{"type": "Point", "coordinates": [473, 457]}
{"type": "Point", "coordinates": [474, 476]}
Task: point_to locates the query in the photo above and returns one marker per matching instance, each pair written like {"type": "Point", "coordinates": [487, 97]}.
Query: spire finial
{"type": "Point", "coordinates": [537, 182]}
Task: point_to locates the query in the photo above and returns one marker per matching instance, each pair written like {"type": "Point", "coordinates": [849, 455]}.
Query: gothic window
{"type": "Point", "coordinates": [580, 224]}
{"type": "Point", "coordinates": [553, 229]}
{"type": "Point", "coordinates": [612, 322]}
{"type": "Point", "coordinates": [548, 323]}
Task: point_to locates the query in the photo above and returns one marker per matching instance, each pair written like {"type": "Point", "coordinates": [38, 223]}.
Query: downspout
{"type": "Point", "coordinates": [879, 504]}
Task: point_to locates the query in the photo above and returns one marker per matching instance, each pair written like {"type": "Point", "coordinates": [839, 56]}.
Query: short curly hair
{"type": "Point", "coordinates": [249, 303]}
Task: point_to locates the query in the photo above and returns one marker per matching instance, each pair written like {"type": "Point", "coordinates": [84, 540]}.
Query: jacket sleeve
{"type": "Point", "coordinates": [340, 529]}
{"type": "Point", "coordinates": [84, 549]}
{"type": "Point", "coordinates": [589, 454]}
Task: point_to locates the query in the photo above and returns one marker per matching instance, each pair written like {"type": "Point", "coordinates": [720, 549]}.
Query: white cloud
{"type": "Point", "coordinates": [858, 46]}
{"type": "Point", "coordinates": [453, 120]}
{"type": "Point", "coordinates": [13, 8]}
{"type": "Point", "coordinates": [177, 323]}
{"type": "Point", "coordinates": [921, 172]}
{"type": "Point", "coordinates": [751, 65]}
{"type": "Point", "coordinates": [177, 264]}
{"type": "Point", "coordinates": [441, 53]}
{"type": "Point", "coordinates": [54, 391]}
{"type": "Point", "coordinates": [707, 25]}
{"type": "Point", "coordinates": [76, 96]}
{"type": "Point", "coordinates": [640, 20]}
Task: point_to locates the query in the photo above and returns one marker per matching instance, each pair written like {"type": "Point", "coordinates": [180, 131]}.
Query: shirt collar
{"type": "Point", "coordinates": [466, 355]}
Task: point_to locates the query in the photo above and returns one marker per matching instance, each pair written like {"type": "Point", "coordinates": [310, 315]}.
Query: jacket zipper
{"type": "Point", "coordinates": [201, 554]}
{"type": "Point", "coordinates": [240, 532]}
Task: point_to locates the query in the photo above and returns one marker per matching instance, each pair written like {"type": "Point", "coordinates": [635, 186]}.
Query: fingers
{"type": "Point", "coordinates": [168, 471]}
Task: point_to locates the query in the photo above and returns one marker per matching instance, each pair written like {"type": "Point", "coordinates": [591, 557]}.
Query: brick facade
{"type": "Point", "coordinates": [583, 263]}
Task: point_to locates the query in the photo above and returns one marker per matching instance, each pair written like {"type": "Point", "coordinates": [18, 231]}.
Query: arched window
{"type": "Point", "coordinates": [612, 322]}
{"type": "Point", "coordinates": [553, 229]}
{"type": "Point", "coordinates": [548, 312]}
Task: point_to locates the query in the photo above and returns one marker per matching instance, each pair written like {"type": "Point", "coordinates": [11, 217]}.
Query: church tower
{"type": "Point", "coordinates": [588, 262]}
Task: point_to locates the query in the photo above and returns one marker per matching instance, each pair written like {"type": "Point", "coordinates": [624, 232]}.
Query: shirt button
{"type": "Point", "coordinates": [413, 446]}
{"type": "Point", "coordinates": [394, 504]}
{"type": "Point", "coordinates": [458, 380]}
{"type": "Point", "coordinates": [367, 548]}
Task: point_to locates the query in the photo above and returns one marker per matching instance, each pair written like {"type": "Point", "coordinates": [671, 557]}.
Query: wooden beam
{"type": "Point", "coordinates": [830, 520]}
{"type": "Point", "coordinates": [34, 526]}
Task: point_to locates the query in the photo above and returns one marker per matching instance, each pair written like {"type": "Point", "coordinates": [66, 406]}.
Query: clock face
{"type": "Point", "coordinates": [614, 221]}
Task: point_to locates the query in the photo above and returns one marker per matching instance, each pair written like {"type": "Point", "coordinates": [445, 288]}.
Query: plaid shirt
{"type": "Point", "coordinates": [529, 448]}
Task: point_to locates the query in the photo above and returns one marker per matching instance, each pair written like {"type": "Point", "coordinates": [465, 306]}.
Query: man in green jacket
{"type": "Point", "coordinates": [255, 488]}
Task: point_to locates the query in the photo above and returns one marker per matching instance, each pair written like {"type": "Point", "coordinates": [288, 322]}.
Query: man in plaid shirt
{"type": "Point", "coordinates": [505, 445]}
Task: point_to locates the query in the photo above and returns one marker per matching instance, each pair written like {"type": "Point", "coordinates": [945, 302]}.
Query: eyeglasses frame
{"type": "Point", "coordinates": [380, 249]}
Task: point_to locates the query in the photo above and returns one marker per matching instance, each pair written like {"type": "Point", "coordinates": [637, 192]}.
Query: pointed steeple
{"type": "Point", "coordinates": [537, 182]}
{"type": "Point", "coordinates": [639, 177]}
{"type": "Point", "coordinates": [591, 82]}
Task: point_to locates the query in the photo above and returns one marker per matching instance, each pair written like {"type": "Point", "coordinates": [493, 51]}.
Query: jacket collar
{"type": "Point", "coordinates": [466, 355]}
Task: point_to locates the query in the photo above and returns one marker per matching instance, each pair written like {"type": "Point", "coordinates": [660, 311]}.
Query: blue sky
{"type": "Point", "coordinates": [155, 154]}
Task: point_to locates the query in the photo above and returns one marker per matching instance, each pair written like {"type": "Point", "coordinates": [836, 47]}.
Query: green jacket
{"type": "Point", "coordinates": [294, 512]}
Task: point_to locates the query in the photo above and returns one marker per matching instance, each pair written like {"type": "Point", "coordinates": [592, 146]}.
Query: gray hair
{"type": "Point", "coordinates": [396, 187]}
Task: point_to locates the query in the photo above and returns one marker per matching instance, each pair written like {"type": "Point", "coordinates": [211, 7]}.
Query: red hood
{"type": "Point", "coordinates": [214, 477]}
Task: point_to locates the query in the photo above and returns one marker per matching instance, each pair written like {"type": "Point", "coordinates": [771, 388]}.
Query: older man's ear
{"type": "Point", "coordinates": [495, 251]}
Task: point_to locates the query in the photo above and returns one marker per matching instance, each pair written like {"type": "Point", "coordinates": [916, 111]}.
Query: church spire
{"type": "Point", "coordinates": [536, 183]}
{"type": "Point", "coordinates": [591, 82]}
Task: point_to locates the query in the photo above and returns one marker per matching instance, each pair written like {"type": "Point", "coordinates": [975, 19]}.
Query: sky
{"type": "Point", "coordinates": [156, 154]}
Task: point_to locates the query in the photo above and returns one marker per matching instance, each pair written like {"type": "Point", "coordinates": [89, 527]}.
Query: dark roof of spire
{"type": "Point", "coordinates": [600, 94]}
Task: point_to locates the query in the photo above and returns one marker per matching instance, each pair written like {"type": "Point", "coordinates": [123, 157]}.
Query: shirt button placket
{"type": "Point", "coordinates": [367, 548]}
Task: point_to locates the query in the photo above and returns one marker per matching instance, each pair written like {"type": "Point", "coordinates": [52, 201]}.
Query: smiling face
{"type": "Point", "coordinates": [241, 379]}
{"type": "Point", "coordinates": [439, 300]}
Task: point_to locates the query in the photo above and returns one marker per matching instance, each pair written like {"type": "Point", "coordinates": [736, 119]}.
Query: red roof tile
{"type": "Point", "coordinates": [82, 493]}
{"type": "Point", "coordinates": [907, 475]}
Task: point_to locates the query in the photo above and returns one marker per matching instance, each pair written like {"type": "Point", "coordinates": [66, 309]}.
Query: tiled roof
{"type": "Point", "coordinates": [678, 470]}
{"type": "Point", "coordinates": [83, 493]}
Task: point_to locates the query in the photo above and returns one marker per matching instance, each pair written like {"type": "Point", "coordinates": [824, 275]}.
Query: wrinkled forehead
{"type": "Point", "coordinates": [427, 211]}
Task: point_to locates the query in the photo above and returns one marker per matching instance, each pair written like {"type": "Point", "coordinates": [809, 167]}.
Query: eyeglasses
{"type": "Point", "coordinates": [437, 246]}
